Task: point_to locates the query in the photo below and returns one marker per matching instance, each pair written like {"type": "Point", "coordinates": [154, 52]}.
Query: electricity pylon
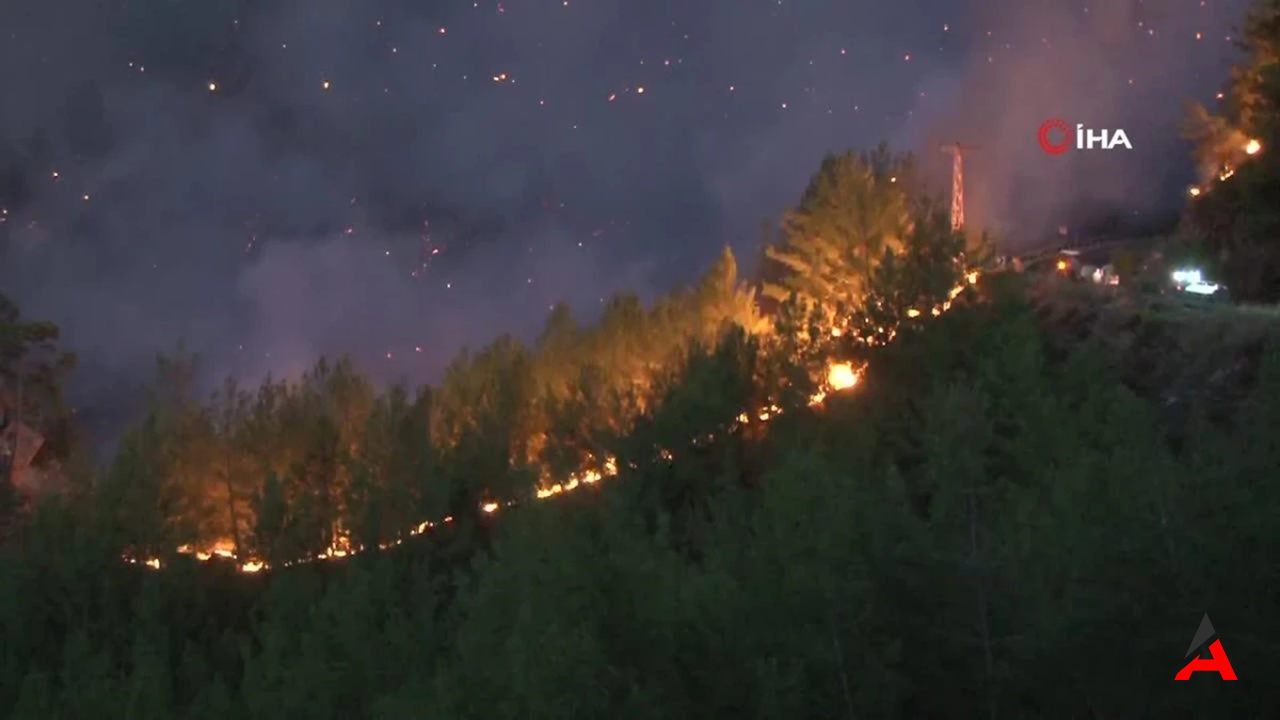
{"type": "Point", "coordinates": [957, 152]}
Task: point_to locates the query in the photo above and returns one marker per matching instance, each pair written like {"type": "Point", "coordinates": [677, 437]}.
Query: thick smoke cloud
{"type": "Point", "coordinates": [274, 220]}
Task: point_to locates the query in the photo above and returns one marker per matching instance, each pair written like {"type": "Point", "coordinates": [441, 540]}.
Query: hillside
{"type": "Point", "coordinates": [1178, 350]}
{"type": "Point", "coordinates": [912, 489]}
{"type": "Point", "coordinates": [957, 536]}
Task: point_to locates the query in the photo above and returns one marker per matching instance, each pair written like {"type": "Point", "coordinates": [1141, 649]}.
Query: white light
{"type": "Point", "coordinates": [1200, 288]}
{"type": "Point", "coordinates": [1188, 277]}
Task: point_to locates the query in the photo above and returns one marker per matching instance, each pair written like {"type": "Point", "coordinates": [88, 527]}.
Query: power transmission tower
{"type": "Point", "coordinates": [957, 152]}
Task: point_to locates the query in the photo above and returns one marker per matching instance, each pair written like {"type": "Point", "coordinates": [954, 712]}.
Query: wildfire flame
{"type": "Point", "coordinates": [841, 376]}
{"type": "Point", "coordinates": [1251, 147]}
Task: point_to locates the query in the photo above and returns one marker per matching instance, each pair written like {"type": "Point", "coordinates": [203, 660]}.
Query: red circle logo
{"type": "Point", "coordinates": [1046, 142]}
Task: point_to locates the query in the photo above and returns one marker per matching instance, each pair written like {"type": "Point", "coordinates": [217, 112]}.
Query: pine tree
{"type": "Point", "coordinates": [910, 286]}
{"type": "Point", "coordinates": [1234, 208]}
{"type": "Point", "coordinates": [722, 299]}
{"type": "Point", "coordinates": [855, 208]}
{"type": "Point", "coordinates": [32, 373]}
{"type": "Point", "coordinates": [232, 468]}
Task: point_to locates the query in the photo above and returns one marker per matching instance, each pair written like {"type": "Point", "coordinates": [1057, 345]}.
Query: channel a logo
{"type": "Point", "coordinates": [1055, 138]}
{"type": "Point", "coordinates": [1217, 660]}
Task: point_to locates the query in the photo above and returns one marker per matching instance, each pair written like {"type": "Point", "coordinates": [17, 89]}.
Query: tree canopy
{"type": "Point", "coordinates": [856, 206]}
{"type": "Point", "coordinates": [35, 422]}
{"type": "Point", "coordinates": [1234, 209]}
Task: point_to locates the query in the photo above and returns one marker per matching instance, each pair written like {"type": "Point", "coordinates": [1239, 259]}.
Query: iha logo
{"type": "Point", "coordinates": [1055, 138]}
{"type": "Point", "coordinates": [1217, 660]}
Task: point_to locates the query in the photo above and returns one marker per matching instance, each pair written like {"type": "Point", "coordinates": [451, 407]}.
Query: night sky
{"type": "Point", "coordinates": [273, 180]}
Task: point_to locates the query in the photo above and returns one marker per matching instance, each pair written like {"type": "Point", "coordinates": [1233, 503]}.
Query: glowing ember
{"type": "Point", "coordinates": [1253, 147]}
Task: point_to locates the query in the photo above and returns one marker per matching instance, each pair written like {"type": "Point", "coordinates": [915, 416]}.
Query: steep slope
{"type": "Point", "coordinates": [1181, 350]}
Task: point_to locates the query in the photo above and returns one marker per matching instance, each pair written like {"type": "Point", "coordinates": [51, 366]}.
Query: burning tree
{"type": "Point", "coordinates": [866, 254]}
{"type": "Point", "coordinates": [1234, 208]}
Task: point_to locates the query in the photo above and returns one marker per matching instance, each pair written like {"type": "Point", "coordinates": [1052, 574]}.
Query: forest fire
{"type": "Point", "coordinates": [840, 377]}
{"type": "Point", "coordinates": [343, 547]}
